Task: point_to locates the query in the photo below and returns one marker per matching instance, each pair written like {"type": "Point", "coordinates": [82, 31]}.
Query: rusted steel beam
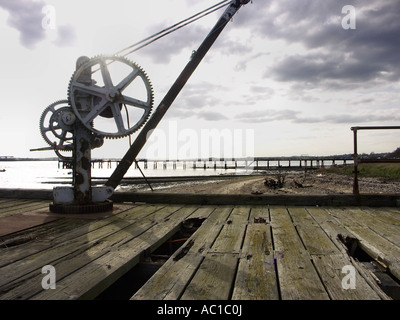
{"type": "Point", "coordinates": [356, 190]}
{"type": "Point", "coordinates": [375, 128]}
{"type": "Point", "coordinates": [357, 161]}
{"type": "Point", "coordinates": [171, 95]}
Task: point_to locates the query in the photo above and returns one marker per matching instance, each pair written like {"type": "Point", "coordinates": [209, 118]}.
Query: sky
{"type": "Point", "coordinates": [284, 78]}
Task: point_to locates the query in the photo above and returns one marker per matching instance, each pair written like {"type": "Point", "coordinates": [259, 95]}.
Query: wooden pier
{"type": "Point", "coordinates": [210, 252]}
{"type": "Point", "coordinates": [258, 163]}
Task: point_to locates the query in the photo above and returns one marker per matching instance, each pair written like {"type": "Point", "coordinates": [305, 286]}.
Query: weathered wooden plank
{"type": "Point", "coordinates": [202, 212]}
{"type": "Point", "coordinates": [371, 242]}
{"type": "Point", "coordinates": [105, 270]}
{"type": "Point", "coordinates": [393, 210]}
{"type": "Point", "coordinates": [256, 275]}
{"type": "Point", "coordinates": [387, 230]}
{"type": "Point", "coordinates": [9, 203]}
{"type": "Point", "coordinates": [21, 203]}
{"type": "Point", "coordinates": [171, 279]}
{"type": "Point", "coordinates": [298, 278]}
{"type": "Point", "coordinates": [259, 214]}
{"type": "Point", "coordinates": [40, 232]}
{"type": "Point", "coordinates": [332, 227]}
{"type": "Point", "coordinates": [231, 237]}
{"type": "Point", "coordinates": [4, 200]}
{"type": "Point", "coordinates": [330, 268]}
{"type": "Point", "coordinates": [214, 278]}
{"type": "Point", "coordinates": [114, 223]}
{"type": "Point", "coordinates": [300, 216]}
{"type": "Point", "coordinates": [21, 244]}
{"type": "Point", "coordinates": [330, 264]}
{"type": "Point", "coordinates": [387, 215]}
{"type": "Point", "coordinates": [77, 232]}
{"type": "Point", "coordinates": [29, 206]}
{"type": "Point", "coordinates": [230, 256]}
{"type": "Point", "coordinates": [260, 199]}
{"type": "Point", "coordinates": [312, 235]}
{"type": "Point", "coordinates": [71, 255]}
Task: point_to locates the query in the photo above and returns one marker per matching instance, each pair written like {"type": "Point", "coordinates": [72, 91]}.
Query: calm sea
{"type": "Point", "coordinates": [37, 174]}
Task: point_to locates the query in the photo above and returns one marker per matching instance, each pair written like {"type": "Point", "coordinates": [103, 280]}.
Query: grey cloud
{"type": "Point", "coordinates": [165, 48]}
{"type": "Point", "coordinates": [182, 114]}
{"type": "Point", "coordinates": [188, 38]}
{"type": "Point", "coordinates": [27, 16]}
{"type": "Point", "coordinates": [349, 118]}
{"type": "Point", "coordinates": [364, 56]}
{"type": "Point", "coordinates": [229, 47]}
{"type": "Point", "coordinates": [256, 94]}
{"type": "Point", "coordinates": [321, 67]}
{"type": "Point", "coordinates": [364, 101]}
{"type": "Point", "coordinates": [257, 89]}
{"type": "Point", "coordinates": [242, 65]}
{"type": "Point", "coordinates": [270, 115]}
{"type": "Point", "coordinates": [201, 95]}
{"type": "Point", "coordinates": [211, 116]}
{"type": "Point", "coordinates": [66, 36]}
{"type": "Point", "coordinates": [196, 100]}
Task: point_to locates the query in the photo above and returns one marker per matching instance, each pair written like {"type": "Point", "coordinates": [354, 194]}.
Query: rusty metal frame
{"type": "Point", "coordinates": [357, 161]}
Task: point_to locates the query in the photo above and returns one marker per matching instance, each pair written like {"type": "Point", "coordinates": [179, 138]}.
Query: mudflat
{"type": "Point", "coordinates": [315, 182]}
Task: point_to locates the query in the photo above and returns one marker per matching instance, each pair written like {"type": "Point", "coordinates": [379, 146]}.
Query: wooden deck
{"type": "Point", "coordinates": [241, 252]}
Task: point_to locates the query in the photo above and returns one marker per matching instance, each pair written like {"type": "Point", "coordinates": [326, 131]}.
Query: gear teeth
{"type": "Point", "coordinates": [93, 62]}
{"type": "Point", "coordinates": [42, 126]}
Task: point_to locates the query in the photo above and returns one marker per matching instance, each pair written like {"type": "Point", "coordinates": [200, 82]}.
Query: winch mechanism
{"type": "Point", "coordinates": [111, 97]}
{"type": "Point", "coordinates": [108, 97]}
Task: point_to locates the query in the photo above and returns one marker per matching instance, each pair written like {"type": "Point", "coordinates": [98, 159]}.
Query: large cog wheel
{"type": "Point", "coordinates": [103, 93]}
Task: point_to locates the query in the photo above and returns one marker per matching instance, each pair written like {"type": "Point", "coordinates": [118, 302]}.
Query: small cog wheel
{"type": "Point", "coordinates": [111, 96]}
{"type": "Point", "coordinates": [56, 125]}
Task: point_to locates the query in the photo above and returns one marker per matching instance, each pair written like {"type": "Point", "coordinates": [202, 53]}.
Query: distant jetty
{"type": "Point", "coordinates": [11, 158]}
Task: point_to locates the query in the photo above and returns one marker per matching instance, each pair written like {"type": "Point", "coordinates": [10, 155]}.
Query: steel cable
{"type": "Point", "coordinates": [145, 42]}
{"type": "Point", "coordinates": [169, 30]}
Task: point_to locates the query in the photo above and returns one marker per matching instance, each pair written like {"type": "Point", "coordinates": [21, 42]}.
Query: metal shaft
{"type": "Point", "coordinates": [171, 95]}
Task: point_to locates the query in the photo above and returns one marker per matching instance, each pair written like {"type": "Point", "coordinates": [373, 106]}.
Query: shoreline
{"type": "Point", "coordinates": [295, 183]}
{"type": "Point", "coordinates": [317, 188]}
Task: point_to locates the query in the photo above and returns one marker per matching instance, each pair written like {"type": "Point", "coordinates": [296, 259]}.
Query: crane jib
{"type": "Point", "coordinates": [171, 95]}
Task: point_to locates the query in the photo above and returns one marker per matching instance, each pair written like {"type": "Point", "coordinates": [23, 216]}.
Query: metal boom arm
{"type": "Point", "coordinates": [169, 98]}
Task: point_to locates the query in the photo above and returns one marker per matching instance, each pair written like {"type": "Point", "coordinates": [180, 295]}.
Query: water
{"type": "Point", "coordinates": [38, 174]}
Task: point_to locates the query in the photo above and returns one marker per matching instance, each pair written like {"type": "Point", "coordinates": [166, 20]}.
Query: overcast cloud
{"type": "Point", "coordinates": [27, 16]}
{"type": "Point", "coordinates": [279, 67]}
{"type": "Point", "coordinates": [165, 48]}
{"type": "Point", "coordinates": [333, 59]}
{"type": "Point", "coordinates": [334, 56]}
{"type": "Point", "coordinates": [298, 117]}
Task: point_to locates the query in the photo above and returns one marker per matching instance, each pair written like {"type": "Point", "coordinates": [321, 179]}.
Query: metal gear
{"type": "Point", "coordinates": [55, 125]}
{"type": "Point", "coordinates": [63, 157]}
{"type": "Point", "coordinates": [98, 102]}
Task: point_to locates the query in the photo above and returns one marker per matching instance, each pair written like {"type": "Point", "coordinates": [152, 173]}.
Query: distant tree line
{"type": "Point", "coordinates": [384, 155]}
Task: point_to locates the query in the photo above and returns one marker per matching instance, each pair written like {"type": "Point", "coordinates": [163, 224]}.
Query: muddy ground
{"type": "Point", "coordinates": [315, 182]}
